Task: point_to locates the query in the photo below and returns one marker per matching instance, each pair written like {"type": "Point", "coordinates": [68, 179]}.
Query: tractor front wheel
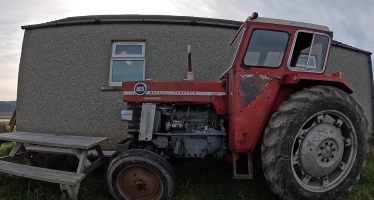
{"type": "Point", "coordinates": [315, 144]}
{"type": "Point", "coordinates": [141, 175]}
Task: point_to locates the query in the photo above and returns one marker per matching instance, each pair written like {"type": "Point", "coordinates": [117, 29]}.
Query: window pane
{"type": "Point", "coordinates": [311, 62]}
{"type": "Point", "coordinates": [266, 48]}
{"type": "Point", "coordinates": [127, 70]}
{"type": "Point", "coordinates": [304, 46]}
{"type": "Point", "coordinates": [302, 61]}
{"type": "Point", "coordinates": [301, 49]}
{"type": "Point", "coordinates": [319, 50]}
{"type": "Point", "coordinates": [128, 49]}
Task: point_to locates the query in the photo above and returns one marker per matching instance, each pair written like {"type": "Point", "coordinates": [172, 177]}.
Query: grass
{"type": "Point", "coordinates": [15, 188]}
{"type": "Point", "coordinates": [6, 148]}
{"type": "Point", "coordinates": [198, 179]}
{"type": "Point", "coordinates": [5, 117]}
{"type": "Point", "coordinates": [365, 187]}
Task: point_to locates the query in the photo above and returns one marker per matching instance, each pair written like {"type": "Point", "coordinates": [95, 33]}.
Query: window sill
{"type": "Point", "coordinates": [111, 88]}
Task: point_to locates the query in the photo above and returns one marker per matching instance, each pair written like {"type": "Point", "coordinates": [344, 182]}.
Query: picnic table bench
{"type": "Point", "coordinates": [67, 144]}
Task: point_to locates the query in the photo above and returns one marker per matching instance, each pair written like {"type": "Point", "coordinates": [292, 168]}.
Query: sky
{"type": "Point", "coordinates": [351, 21]}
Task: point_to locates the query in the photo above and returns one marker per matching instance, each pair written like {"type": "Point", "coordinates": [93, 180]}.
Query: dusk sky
{"type": "Point", "coordinates": [351, 21]}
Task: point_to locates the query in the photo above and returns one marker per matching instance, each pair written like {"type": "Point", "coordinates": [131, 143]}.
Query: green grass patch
{"type": "Point", "coordinates": [364, 189]}
{"type": "Point", "coordinates": [16, 188]}
{"type": "Point", "coordinates": [211, 179]}
{"type": "Point", "coordinates": [6, 113]}
{"type": "Point", "coordinates": [5, 117]}
{"type": "Point", "coordinates": [6, 148]}
{"type": "Point", "coordinates": [198, 179]}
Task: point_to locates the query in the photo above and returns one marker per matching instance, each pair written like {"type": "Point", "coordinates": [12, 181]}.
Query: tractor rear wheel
{"type": "Point", "coordinates": [315, 145]}
{"type": "Point", "coordinates": [141, 175]}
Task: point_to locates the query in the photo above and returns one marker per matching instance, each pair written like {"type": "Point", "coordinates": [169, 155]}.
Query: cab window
{"type": "Point", "coordinates": [309, 52]}
{"type": "Point", "coordinates": [266, 48]}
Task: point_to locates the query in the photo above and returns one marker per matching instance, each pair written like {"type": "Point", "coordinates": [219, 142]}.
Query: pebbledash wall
{"type": "Point", "coordinates": [63, 84]}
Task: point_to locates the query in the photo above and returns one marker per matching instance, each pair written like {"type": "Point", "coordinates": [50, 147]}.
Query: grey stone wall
{"type": "Point", "coordinates": [355, 70]}
{"type": "Point", "coordinates": [62, 70]}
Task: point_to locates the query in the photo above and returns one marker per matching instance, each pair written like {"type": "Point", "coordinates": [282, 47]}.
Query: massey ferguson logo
{"type": "Point", "coordinates": [140, 89]}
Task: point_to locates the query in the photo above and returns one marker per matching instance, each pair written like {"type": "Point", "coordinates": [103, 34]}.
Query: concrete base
{"type": "Point", "coordinates": [190, 76]}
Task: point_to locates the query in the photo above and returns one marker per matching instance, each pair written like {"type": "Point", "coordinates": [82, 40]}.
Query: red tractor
{"type": "Point", "coordinates": [313, 134]}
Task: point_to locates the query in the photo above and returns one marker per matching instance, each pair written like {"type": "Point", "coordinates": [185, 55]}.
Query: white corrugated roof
{"type": "Point", "coordinates": [289, 23]}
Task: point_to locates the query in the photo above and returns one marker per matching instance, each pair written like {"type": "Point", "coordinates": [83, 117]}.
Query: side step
{"type": "Point", "coordinates": [248, 156]}
{"type": "Point", "coordinates": [107, 154]}
{"type": "Point", "coordinates": [68, 180]}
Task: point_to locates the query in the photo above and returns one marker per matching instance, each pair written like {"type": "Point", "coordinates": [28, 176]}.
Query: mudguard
{"type": "Point", "coordinates": [318, 80]}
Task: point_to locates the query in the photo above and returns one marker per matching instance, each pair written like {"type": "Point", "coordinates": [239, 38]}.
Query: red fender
{"type": "Point", "coordinates": [318, 80]}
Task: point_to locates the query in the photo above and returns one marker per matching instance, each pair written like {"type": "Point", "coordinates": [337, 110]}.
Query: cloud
{"type": "Point", "coordinates": [7, 92]}
{"type": "Point", "coordinates": [14, 14]}
{"type": "Point", "coordinates": [351, 21]}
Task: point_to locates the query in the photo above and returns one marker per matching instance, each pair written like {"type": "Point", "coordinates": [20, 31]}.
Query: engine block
{"type": "Point", "coordinates": [190, 130]}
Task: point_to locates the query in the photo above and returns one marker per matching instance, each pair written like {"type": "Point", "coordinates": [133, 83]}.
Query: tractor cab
{"type": "Point", "coordinates": [280, 45]}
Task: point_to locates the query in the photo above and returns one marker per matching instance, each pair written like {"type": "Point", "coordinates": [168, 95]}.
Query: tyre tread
{"type": "Point", "coordinates": [275, 134]}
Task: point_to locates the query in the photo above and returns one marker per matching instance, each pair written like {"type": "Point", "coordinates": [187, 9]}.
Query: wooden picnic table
{"type": "Point", "coordinates": [79, 145]}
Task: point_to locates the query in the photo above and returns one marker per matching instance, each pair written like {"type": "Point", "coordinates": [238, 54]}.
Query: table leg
{"type": "Point", "coordinates": [19, 145]}
{"type": "Point", "coordinates": [83, 161]}
{"type": "Point", "coordinates": [72, 190]}
{"type": "Point", "coordinates": [101, 156]}
{"type": "Point", "coordinates": [100, 161]}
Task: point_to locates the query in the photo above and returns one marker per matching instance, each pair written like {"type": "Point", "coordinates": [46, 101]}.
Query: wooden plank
{"type": "Point", "coordinates": [83, 161]}
{"type": "Point", "coordinates": [42, 174]}
{"type": "Point", "coordinates": [60, 136]}
{"type": "Point", "coordinates": [68, 141]}
{"type": "Point", "coordinates": [53, 174]}
{"type": "Point", "coordinates": [107, 154]}
{"type": "Point", "coordinates": [50, 150]}
{"type": "Point", "coordinates": [16, 157]}
{"type": "Point", "coordinates": [56, 136]}
{"type": "Point", "coordinates": [66, 151]}
{"type": "Point", "coordinates": [83, 139]}
{"type": "Point", "coordinates": [15, 149]}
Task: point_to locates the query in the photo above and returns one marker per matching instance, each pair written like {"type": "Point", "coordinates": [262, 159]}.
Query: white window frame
{"type": "Point", "coordinates": [305, 69]}
{"type": "Point", "coordinates": [115, 44]}
{"type": "Point", "coordinates": [125, 57]}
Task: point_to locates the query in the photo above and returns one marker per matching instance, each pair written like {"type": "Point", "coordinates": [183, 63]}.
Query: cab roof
{"type": "Point", "coordinates": [288, 23]}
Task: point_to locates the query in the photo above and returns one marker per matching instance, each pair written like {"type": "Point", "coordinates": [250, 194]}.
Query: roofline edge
{"type": "Point", "coordinates": [130, 21]}
{"type": "Point", "coordinates": [342, 45]}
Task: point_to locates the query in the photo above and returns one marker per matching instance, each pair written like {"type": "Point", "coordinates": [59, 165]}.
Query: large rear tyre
{"type": "Point", "coordinates": [141, 175]}
{"type": "Point", "coordinates": [315, 145]}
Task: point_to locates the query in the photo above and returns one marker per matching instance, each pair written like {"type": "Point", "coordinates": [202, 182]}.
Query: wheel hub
{"type": "Point", "coordinates": [139, 183]}
{"type": "Point", "coordinates": [321, 150]}
{"type": "Point", "coordinates": [326, 152]}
